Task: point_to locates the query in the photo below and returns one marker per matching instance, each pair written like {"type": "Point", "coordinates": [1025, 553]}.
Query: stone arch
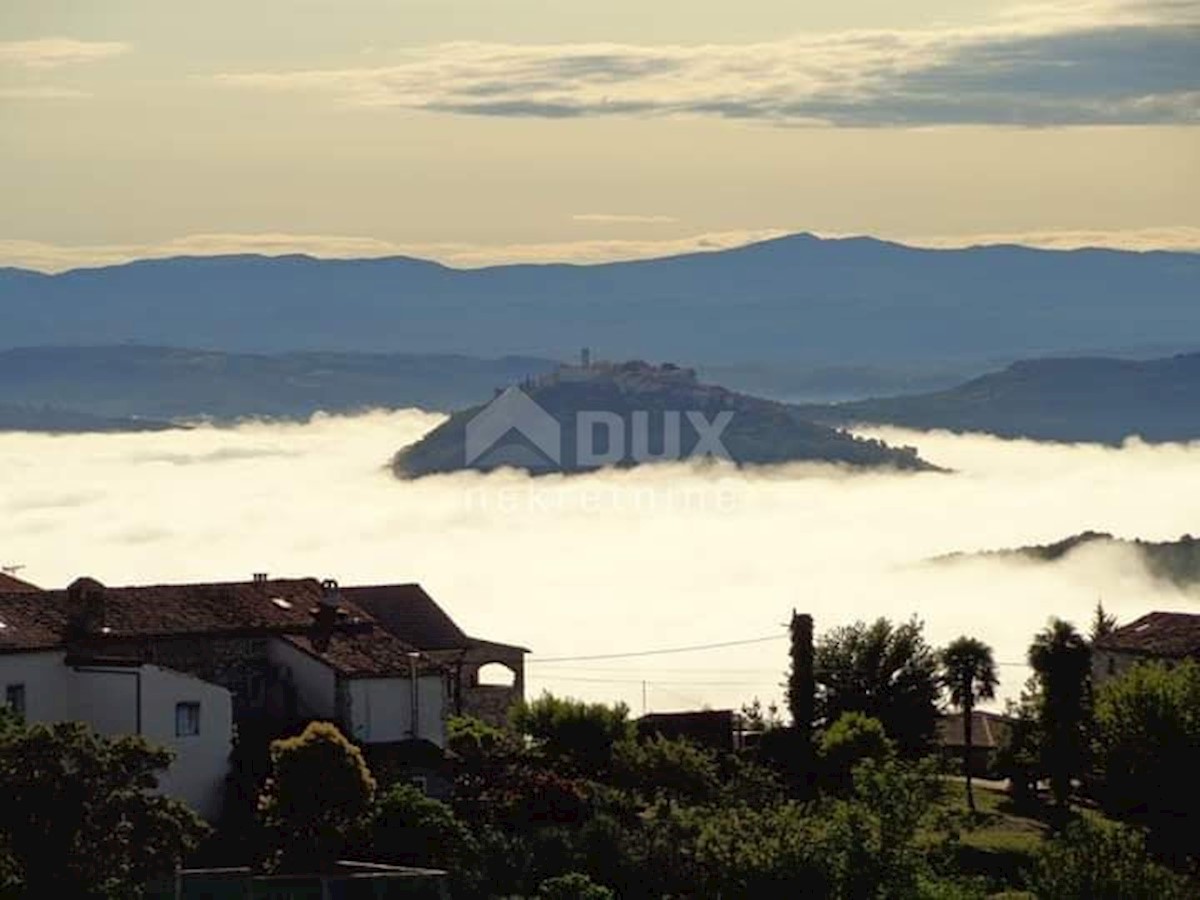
{"type": "Point", "coordinates": [495, 674]}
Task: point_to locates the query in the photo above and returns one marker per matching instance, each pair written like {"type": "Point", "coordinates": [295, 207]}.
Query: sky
{"type": "Point", "coordinates": [660, 557]}
{"type": "Point", "coordinates": [476, 132]}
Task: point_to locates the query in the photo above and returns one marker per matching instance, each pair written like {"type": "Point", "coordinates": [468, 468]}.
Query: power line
{"type": "Point", "coordinates": [663, 670]}
{"type": "Point", "coordinates": [655, 681]}
{"type": "Point", "coordinates": [692, 648]}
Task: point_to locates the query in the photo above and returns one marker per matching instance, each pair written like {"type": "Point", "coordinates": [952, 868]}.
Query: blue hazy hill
{"type": "Point", "coordinates": [1105, 400]}
{"type": "Point", "coordinates": [798, 297]}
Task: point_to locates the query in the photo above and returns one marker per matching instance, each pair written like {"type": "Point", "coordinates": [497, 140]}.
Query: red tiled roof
{"type": "Point", "coordinates": [28, 623]}
{"type": "Point", "coordinates": [411, 614]}
{"type": "Point", "coordinates": [371, 654]}
{"type": "Point", "coordinates": [10, 583]}
{"type": "Point", "coordinates": [172, 609]}
{"type": "Point", "coordinates": [987, 730]}
{"type": "Point", "coordinates": [357, 647]}
{"type": "Point", "coordinates": [1156, 634]}
{"type": "Point", "coordinates": [408, 612]}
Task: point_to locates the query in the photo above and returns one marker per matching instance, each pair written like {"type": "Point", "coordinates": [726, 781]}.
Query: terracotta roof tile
{"type": "Point", "coordinates": [411, 614]}
{"type": "Point", "coordinates": [1157, 634]}
{"type": "Point", "coordinates": [375, 653]}
{"type": "Point", "coordinates": [10, 583]}
{"type": "Point", "coordinates": [357, 646]}
{"type": "Point", "coordinates": [987, 730]}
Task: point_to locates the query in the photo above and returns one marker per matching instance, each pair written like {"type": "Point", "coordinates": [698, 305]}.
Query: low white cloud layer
{"type": "Point", "coordinates": [1184, 238]}
{"type": "Point", "coordinates": [52, 53]}
{"type": "Point", "coordinates": [1052, 64]}
{"type": "Point", "coordinates": [658, 557]}
{"type": "Point", "coordinates": [46, 257]}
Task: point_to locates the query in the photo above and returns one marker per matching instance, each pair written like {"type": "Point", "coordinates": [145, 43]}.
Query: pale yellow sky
{"type": "Point", "coordinates": [478, 131]}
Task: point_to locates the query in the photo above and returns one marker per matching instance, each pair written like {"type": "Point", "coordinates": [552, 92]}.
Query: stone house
{"type": "Point", "coordinates": [486, 677]}
{"type": "Point", "coordinates": [989, 731]}
{"type": "Point", "coordinates": [1158, 636]}
{"type": "Point", "coordinates": [190, 665]}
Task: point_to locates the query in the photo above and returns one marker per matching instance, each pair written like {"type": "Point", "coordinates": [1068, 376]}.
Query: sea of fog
{"type": "Point", "coordinates": [657, 558]}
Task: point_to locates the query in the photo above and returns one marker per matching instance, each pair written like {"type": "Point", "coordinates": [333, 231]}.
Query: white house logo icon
{"type": "Point", "coordinates": [514, 411]}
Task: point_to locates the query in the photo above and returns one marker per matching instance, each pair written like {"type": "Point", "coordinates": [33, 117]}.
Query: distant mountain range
{"type": "Point", "coordinates": [844, 302]}
{"type": "Point", "coordinates": [548, 424]}
{"type": "Point", "coordinates": [1174, 561]}
{"type": "Point", "coordinates": [1102, 400]}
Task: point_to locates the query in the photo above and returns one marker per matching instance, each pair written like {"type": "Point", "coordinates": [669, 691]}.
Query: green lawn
{"type": "Point", "coordinates": [1002, 840]}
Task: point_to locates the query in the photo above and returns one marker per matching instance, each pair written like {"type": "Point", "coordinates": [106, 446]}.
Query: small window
{"type": "Point", "coordinates": [14, 698]}
{"type": "Point", "coordinates": [420, 783]}
{"type": "Point", "coordinates": [187, 719]}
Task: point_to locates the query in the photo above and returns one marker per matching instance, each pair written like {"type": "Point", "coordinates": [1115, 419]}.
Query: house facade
{"type": "Point", "coordinates": [486, 677]}
{"type": "Point", "coordinates": [989, 732]}
{"type": "Point", "coordinates": [1164, 637]}
{"type": "Point", "coordinates": [188, 666]}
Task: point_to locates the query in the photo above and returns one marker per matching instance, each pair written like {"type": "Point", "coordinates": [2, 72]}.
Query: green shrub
{"type": "Point", "coordinates": [851, 740]}
{"type": "Point", "coordinates": [1098, 862]}
{"type": "Point", "coordinates": [573, 886]}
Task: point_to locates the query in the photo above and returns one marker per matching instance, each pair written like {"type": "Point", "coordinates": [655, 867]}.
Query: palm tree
{"type": "Point", "coordinates": [969, 674]}
{"type": "Point", "coordinates": [1061, 660]}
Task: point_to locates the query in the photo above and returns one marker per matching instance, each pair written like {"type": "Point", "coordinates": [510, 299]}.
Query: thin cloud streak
{"type": "Point", "coordinates": [53, 53]}
{"type": "Point", "coordinates": [1060, 64]}
{"type": "Point", "coordinates": [42, 92]}
{"type": "Point", "coordinates": [616, 561]}
{"type": "Point", "coordinates": [622, 219]}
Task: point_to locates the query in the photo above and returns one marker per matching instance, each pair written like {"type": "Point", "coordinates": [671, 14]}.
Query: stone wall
{"type": "Point", "coordinates": [238, 664]}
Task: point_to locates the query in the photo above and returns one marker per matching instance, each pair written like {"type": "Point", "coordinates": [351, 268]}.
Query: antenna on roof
{"type": "Point", "coordinates": [11, 570]}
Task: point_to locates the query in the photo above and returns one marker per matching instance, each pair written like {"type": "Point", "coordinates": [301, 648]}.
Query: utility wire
{"type": "Point", "coordinates": [656, 681]}
{"type": "Point", "coordinates": [694, 647]}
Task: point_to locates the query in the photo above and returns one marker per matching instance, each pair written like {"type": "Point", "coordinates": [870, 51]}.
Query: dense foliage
{"type": "Point", "coordinates": [885, 671]}
{"type": "Point", "coordinates": [1147, 744]}
{"type": "Point", "coordinates": [316, 800]}
{"type": "Point", "coordinates": [1094, 862]}
{"type": "Point", "coordinates": [1061, 661]}
{"type": "Point", "coordinates": [79, 816]}
{"type": "Point", "coordinates": [579, 735]}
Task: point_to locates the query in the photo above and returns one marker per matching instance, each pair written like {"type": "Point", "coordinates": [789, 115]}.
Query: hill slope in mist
{"type": "Point", "coordinates": [1175, 561]}
{"type": "Point", "coordinates": [854, 300]}
{"type": "Point", "coordinates": [757, 431]}
{"type": "Point", "coordinates": [50, 420]}
{"type": "Point", "coordinates": [169, 382]}
{"type": "Point", "coordinates": [1102, 400]}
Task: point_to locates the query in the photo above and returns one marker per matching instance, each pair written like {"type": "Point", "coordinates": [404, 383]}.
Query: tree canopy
{"type": "Point", "coordinates": [969, 675]}
{"type": "Point", "coordinates": [1147, 729]}
{"type": "Point", "coordinates": [80, 817]}
{"type": "Point", "coordinates": [885, 671]}
{"type": "Point", "coordinates": [1061, 660]}
{"type": "Point", "coordinates": [579, 734]}
{"type": "Point", "coordinates": [316, 799]}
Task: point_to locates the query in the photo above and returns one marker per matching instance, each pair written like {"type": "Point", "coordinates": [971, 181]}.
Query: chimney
{"type": "Point", "coordinates": [85, 606]}
{"type": "Point", "coordinates": [260, 577]}
{"type": "Point", "coordinates": [328, 611]}
{"type": "Point", "coordinates": [331, 595]}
